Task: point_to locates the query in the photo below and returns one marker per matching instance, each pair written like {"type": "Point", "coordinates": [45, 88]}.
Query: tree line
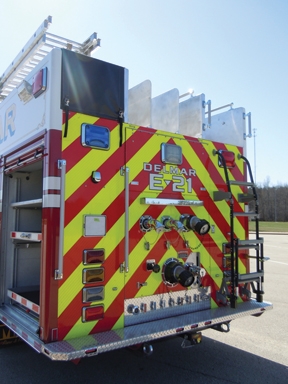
{"type": "Point", "coordinates": [273, 202]}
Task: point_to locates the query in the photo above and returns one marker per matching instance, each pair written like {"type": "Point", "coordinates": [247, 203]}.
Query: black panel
{"type": "Point", "coordinates": [92, 86]}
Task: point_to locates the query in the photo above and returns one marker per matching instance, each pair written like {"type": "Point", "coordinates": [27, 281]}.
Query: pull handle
{"type": "Point", "coordinates": [59, 271]}
{"type": "Point", "coordinates": [249, 126]}
{"type": "Point", "coordinates": [126, 262]}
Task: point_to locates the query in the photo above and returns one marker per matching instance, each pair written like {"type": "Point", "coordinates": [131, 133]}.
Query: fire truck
{"type": "Point", "coordinates": [124, 217]}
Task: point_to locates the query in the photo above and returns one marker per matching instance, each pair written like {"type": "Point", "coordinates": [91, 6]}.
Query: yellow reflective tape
{"type": "Point", "coordinates": [213, 304]}
{"type": "Point", "coordinates": [71, 288]}
{"type": "Point", "coordinates": [223, 206]}
{"type": "Point", "coordinates": [91, 162]}
{"type": "Point", "coordinates": [80, 328]}
{"type": "Point", "coordinates": [238, 228]}
{"type": "Point", "coordinates": [145, 154]}
{"type": "Point", "coordinates": [138, 159]}
{"type": "Point", "coordinates": [119, 323]}
{"type": "Point", "coordinates": [73, 284]}
{"type": "Point", "coordinates": [73, 231]}
{"type": "Point", "coordinates": [74, 128]}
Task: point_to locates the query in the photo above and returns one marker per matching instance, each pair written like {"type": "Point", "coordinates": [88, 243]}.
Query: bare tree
{"type": "Point", "coordinates": [273, 202]}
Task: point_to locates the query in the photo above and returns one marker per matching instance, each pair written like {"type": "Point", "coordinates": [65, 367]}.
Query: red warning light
{"type": "Point", "coordinates": [229, 158]}
{"type": "Point", "coordinates": [40, 83]}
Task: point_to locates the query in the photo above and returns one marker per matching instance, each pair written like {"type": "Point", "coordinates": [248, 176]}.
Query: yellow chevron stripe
{"type": "Point", "coordinates": [82, 170]}
{"type": "Point", "coordinates": [73, 231]}
{"type": "Point", "coordinates": [71, 287]}
{"type": "Point", "coordinates": [238, 229]}
{"type": "Point", "coordinates": [206, 259]}
{"type": "Point", "coordinates": [134, 255]}
{"type": "Point", "coordinates": [135, 261]}
{"type": "Point", "coordinates": [209, 147]}
{"type": "Point", "coordinates": [75, 127]}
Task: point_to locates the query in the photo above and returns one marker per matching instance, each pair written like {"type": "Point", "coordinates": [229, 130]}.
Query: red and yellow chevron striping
{"type": "Point", "coordinates": [104, 202]}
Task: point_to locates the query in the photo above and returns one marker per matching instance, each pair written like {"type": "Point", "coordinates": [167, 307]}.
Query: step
{"type": "Point", "coordinates": [94, 344]}
{"type": "Point", "coordinates": [245, 197]}
{"type": "Point", "coordinates": [242, 183]}
{"type": "Point", "coordinates": [249, 244]}
{"type": "Point", "coordinates": [249, 277]}
{"type": "Point", "coordinates": [246, 214]}
{"type": "Point", "coordinates": [266, 258]}
{"type": "Point", "coordinates": [221, 195]}
{"type": "Point", "coordinates": [251, 241]}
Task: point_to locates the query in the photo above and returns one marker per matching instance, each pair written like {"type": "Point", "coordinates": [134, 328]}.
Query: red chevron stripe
{"type": "Point", "coordinates": [159, 249]}
{"type": "Point", "coordinates": [74, 153]}
{"type": "Point", "coordinates": [70, 115]}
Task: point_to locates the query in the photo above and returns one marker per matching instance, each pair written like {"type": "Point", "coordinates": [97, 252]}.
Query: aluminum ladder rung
{"type": "Point", "coordinates": [246, 214]}
{"type": "Point", "coordinates": [251, 241]}
{"type": "Point", "coordinates": [249, 277]}
{"type": "Point", "coordinates": [242, 183]}
{"type": "Point", "coordinates": [266, 258]}
{"type": "Point", "coordinates": [221, 195]}
{"type": "Point", "coordinates": [245, 197]}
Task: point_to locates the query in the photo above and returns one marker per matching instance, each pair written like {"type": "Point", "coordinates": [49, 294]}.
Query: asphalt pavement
{"type": "Point", "coordinates": [254, 351]}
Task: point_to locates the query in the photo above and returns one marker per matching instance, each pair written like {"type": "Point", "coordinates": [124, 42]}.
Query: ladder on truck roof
{"type": "Point", "coordinates": [39, 45]}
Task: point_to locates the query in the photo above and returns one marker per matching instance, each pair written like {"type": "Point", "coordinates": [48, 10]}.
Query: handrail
{"type": "Point", "coordinates": [59, 271]}
{"type": "Point", "coordinates": [126, 264]}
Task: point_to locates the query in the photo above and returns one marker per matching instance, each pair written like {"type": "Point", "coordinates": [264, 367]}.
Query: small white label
{"type": "Point", "coordinates": [94, 225]}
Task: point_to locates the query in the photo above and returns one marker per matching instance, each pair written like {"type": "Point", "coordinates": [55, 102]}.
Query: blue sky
{"type": "Point", "coordinates": [232, 51]}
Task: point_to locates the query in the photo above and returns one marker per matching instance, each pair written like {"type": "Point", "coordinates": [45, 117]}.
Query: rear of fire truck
{"type": "Point", "coordinates": [124, 218]}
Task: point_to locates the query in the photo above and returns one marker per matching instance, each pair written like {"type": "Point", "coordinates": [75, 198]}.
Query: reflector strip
{"type": "Point", "coordinates": [23, 301]}
{"type": "Point", "coordinates": [29, 236]}
{"type": "Point", "coordinates": [107, 198]}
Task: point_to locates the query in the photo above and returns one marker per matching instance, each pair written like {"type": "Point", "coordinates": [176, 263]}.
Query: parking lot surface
{"type": "Point", "coordinates": [254, 351]}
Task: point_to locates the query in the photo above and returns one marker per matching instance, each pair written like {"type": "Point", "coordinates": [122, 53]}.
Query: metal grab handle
{"type": "Point", "coordinates": [59, 271]}
{"type": "Point", "coordinates": [249, 126]}
{"type": "Point", "coordinates": [209, 114]}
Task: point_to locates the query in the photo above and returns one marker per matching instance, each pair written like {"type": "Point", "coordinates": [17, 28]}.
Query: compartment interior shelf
{"type": "Point", "coordinates": [27, 297]}
{"type": "Point", "coordinates": [36, 203]}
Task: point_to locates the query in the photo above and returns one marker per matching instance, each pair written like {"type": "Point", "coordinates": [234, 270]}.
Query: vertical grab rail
{"type": "Point", "coordinates": [233, 245]}
{"type": "Point", "coordinates": [59, 271]}
{"type": "Point", "coordinates": [126, 262]}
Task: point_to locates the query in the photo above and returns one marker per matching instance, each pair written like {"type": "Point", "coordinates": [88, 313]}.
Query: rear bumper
{"type": "Point", "coordinates": [92, 345]}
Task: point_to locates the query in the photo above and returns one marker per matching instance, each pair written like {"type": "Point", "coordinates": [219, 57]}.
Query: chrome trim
{"type": "Point", "coordinates": [94, 273]}
{"type": "Point", "coordinates": [91, 294]}
{"type": "Point", "coordinates": [175, 202]}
